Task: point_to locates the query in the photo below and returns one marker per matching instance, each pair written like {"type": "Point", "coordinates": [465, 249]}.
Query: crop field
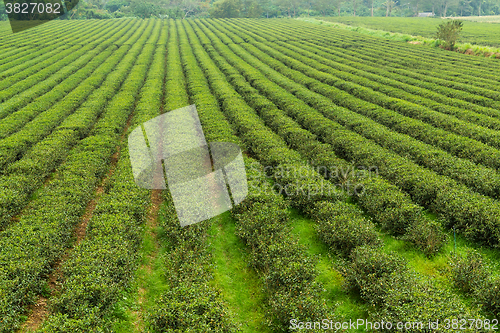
{"type": "Point", "coordinates": [485, 19]}
{"type": "Point", "coordinates": [482, 32]}
{"type": "Point", "coordinates": [391, 150]}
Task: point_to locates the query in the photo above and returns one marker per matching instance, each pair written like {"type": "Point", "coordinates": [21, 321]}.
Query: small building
{"type": "Point", "coordinates": [425, 14]}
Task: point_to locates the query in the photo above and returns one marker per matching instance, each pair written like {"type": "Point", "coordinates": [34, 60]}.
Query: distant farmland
{"type": "Point", "coordinates": [473, 32]}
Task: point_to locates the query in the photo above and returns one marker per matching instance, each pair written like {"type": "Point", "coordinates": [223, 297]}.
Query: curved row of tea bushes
{"type": "Point", "coordinates": [57, 87]}
{"type": "Point", "coordinates": [37, 92]}
{"type": "Point", "coordinates": [472, 213]}
{"type": "Point", "coordinates": [398, 86]}
{"type": "Point", "coordinates": [390, 52]}
{"type": "Point", "coordinates": [102, 266]}
{"type": "Point", "coordinates": [392, 209]}
{"type": "Point", "coordinates": [32, 246]}
{"type": "Point", "coordinates": [24, 176]}
{"type": "Point", "coordinates": [479, 178]}
{"type": "Point", "coordinates": [428, 125]}
{"type": "Point", "coordinates": [262, 221]}
{"type": "Point", "coordinates": [17, 79]}
{"type": "Point", "coordinates": [73, 93]}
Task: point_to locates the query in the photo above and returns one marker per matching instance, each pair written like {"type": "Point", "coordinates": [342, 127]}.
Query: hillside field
{"type": "Point", "coordinates": [392, 152]}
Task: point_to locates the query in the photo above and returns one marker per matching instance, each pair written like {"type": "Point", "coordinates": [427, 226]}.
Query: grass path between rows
{"type": "Point", "coordinates": [149, 281]}
{"type": "Point", "coordinates": [239, 283]}
{"type": "Point", "coordinates": [347, 306]}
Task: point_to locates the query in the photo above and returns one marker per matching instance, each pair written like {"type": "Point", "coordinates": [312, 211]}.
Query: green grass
{"type": "Point", "coordinates": [347, 306]}
{"type": "Point", "coordinates": [437, 268]}
{"type": "Point", "coordinates": [239, 283]}
{"type": "Point", "coordinates": [482, 19]}
{"type": "Point", "coordinates": [149, 281]}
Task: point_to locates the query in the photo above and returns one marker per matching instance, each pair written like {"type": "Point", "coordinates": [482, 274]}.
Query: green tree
{"type": "Point", "coordinates": [250, 8]}
{"type": "Point", "coordinates": [321, 6]}
{"type": "Point", "coordinates": [449, 32]}
{"type": "Point", "coordinates": [225, 8]}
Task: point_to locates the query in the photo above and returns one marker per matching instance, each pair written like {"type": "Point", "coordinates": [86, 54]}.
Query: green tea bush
{"type": "Point", "coordinates": [468, 271]}
{"type": "Point", "coordinates": [472, 275]}
{"type": "Point", "coordinates": [342, 226]}
{"type": "Point", "coordinates": [398, 294]}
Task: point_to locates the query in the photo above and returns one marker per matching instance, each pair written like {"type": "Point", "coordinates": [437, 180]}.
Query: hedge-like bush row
{"type": "Point", "coordinates": [391, 208]}
{"type": "Point", "coordinates": [398, 294]}
{"type": "Point", "coordinates": [475, 215]}
{"type": "Point", "coordinates": [479, 178]}
{"type": "Point", "coordinates": [190, 302]}
{"type": "Point", "coordinates": [343, 227]}
{"type": "Point", "coordinates": [23, 177]}
{"type": "Point", "coordinates": [472, 275]}
{"type": "Point", "coordinates": [483, 95]}
{"type": "Point", "coordinates": [109, 253]}
{"type": "Point", "coordinates": [352, 95]}
{"type": "Point", "coordinates": [398, 86]}
{"type": "Point", "coordinates": [262, 221]}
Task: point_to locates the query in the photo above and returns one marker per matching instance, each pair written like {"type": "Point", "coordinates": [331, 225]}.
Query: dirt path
{"type": "Point", "coordinates": [40, 310]}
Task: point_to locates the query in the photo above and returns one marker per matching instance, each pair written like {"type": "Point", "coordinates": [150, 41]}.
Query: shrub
{"type": "Point", "coordinates": [467, 272]}
{"type": "Point", "coordinates": [427, 235]}
{"type": "Point", "coordinates": [342, 226]}
{"type": "Point", "coordinates": [449, 32]}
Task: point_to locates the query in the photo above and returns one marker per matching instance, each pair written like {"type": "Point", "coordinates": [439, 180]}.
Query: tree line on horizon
{"type": "Point", "coordinates": [104, 9]}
